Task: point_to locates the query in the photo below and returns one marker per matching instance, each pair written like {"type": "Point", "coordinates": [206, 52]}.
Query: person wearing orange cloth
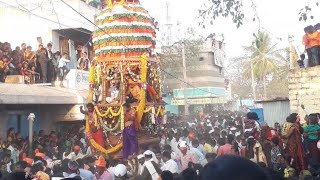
{"type": "Point", "coordinates": [312, 40]}
{"type": "Point", "coordinates": [133, 89]}
{"type": "Point", "coordinates": [102, 172]}
{"type": "Point", "coordinates": [306, 43]}
{"type": "Point", "coordinates": [26, 159]}
{"type": "Point", "coordinates": [95, 131]}
{"type": "Point", "coordinates": [75, 154]}
{"type": "Point", "coordinates": [41, 155]}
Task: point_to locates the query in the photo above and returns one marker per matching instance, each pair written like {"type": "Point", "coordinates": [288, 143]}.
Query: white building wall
{"type": "Point", "coordinates": [19, 25]}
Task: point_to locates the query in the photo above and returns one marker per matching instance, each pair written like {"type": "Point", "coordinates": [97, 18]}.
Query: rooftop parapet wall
{"type": "Point", "coordinates": [304, 88]}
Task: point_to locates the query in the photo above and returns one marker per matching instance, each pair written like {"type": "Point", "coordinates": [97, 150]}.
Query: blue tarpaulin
{"type": "Point", "coordinates": [259, 111]}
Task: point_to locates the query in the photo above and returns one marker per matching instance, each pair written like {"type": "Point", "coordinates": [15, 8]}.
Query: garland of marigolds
{"type": "Point", "coordinates": [97, 146]}
{"type": "Point", "coordinates": [109, 110]}
{"type": "Point", "coordinates": [160, 111]}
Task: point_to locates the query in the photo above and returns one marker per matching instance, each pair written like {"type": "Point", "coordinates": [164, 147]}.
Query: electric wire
{"type": "Point", "coordinates": [127, 47]}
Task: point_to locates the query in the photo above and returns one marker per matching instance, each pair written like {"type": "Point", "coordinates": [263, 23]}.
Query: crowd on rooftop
{"type": "Point", "coordinates": [311, 41]}
{"type": "Point", "coordinates": [40, 65]}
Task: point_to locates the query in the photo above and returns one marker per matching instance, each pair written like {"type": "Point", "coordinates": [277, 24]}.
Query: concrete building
{"type": "Point", "coordinates": [52, 106]}
{"type": "Point", "coordinates": [24, 20]}
{"type": "Point", "coordinates": [206, 78]}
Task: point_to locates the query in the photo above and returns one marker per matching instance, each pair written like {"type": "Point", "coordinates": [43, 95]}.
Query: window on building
{"type": "Point", "coordinates": [213, 60]}
{"type": "Point", "coordinates": [201, 58]}
{"type": "Point", "coordinates": [220, 45]}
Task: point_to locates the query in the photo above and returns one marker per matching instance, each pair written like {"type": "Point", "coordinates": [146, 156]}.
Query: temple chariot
{"type": "Point", "coordinates": [125, 70]}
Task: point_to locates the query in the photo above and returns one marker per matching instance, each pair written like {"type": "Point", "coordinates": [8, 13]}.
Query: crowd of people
{"type": "Point", "coordinates": [218, 145]}
{"type": "Point", "coordinates": [37, 66]}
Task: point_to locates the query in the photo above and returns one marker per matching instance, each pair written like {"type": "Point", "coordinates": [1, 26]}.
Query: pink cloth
{"type": "Point", "coordinates": [106, 176]}
{"type": "Point", "coordinates": [186, 159]}
{"type": "Point", "coordinates": [224, 150]}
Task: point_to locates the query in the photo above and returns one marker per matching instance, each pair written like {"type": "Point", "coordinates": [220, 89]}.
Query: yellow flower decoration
{"type": "Point", "coordinates": [97, 146]}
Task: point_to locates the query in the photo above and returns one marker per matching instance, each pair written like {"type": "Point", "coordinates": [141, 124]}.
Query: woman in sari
{"type": "Point", "coordinates": [130, 139]}
{"type": "Point", "coordinates": [294, 145]}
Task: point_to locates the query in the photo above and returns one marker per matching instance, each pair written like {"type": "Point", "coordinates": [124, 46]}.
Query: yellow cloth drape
{"type": "Point", "coordinates": [142, 102]}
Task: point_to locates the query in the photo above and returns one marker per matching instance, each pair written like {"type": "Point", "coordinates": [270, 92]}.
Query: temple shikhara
{"type": "Point", "coordinates": [124, 104]}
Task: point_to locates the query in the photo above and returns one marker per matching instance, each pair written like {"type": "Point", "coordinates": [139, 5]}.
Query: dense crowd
{"type": "Point", "coordinates": [37, 66]}
{"type": "Point", "coordinates": [218, 145]}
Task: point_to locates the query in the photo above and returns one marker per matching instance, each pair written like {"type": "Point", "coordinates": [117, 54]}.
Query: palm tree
{"type": "Point", "coordinates": [261, 58]}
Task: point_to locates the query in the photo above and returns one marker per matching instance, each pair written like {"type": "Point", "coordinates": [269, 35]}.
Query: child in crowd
{"type": "Point", "coordinates": [275, 154]}
{"type": "Point", "coordinates": [311, 132]}
{"type": "Point", "coordinates": [25, 72]}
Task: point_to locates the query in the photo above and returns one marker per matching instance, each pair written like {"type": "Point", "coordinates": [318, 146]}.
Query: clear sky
{"type": "Point", "coordinates": [278, 17]}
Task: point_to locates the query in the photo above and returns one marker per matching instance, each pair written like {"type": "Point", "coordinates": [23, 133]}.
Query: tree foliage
{"type": "Point", "coordinates": [266, 60]}
{"type": "Point", "coordinates": [224, 8]}
{"type": "Point", "coordinates": [234, 9]}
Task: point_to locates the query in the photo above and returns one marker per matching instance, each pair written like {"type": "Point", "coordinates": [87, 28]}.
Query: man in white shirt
{"type": "Point", "coordinates": [75, 155]}
{"type": "Point", "coordinates": [200, 158]}
{"type": "Point", "coordinates": [168, 163]}
{"type": "Point", "coordinates": [63, 66]}
{"type": "Point", "coordinates": [151, 169]}
{"type": "Point", "coordinates": [14, 152]}
{"type": "Point", "coordinates": [141, 163]}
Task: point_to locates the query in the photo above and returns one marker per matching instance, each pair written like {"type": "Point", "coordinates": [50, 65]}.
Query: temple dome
{"type": "Point", "coordinates": [124, 29]}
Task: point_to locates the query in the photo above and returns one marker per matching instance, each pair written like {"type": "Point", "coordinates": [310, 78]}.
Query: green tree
{"type": "Point", "coordinates": [234, 9]}
{"type": "Point", "coordinates": [261, 59]}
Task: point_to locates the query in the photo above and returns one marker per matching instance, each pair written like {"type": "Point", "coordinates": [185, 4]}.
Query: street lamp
{"type": "Point", "coordinates": [31, 118]}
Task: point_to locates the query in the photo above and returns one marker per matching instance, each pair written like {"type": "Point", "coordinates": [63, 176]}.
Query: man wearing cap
{"type": "Point", "coordinates": [120, 172]}
{"type": "Point", "coordinates": [151, 170]}
{"type": "Point", "coordinates": [141, 163]}
{"type": "Point", "coordinates": [186, 156]}
{"type": "Point", "coordinates": [75, 154]}
{"type": "Point", "coordinates": [102, 172]}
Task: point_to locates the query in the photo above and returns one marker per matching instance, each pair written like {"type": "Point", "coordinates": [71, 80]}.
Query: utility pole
{"type": "Point", "coordinates": [253, 83]}
{"type": "Point", "coordinates": [293, 51]}
{"type": "Point", "coordinates": [168, 24]}
{"type": "Point", "coordinates": [31, 118]}
{"type": "Point", "coordinates": [184, 69]}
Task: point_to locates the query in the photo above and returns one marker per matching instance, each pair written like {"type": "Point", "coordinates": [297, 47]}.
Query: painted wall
{"type": "Point", "coordinates": [171, 108]}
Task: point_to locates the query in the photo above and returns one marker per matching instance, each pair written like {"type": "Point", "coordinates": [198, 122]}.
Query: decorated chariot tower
{"type": "Point", "coordinates": [124, 104]}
